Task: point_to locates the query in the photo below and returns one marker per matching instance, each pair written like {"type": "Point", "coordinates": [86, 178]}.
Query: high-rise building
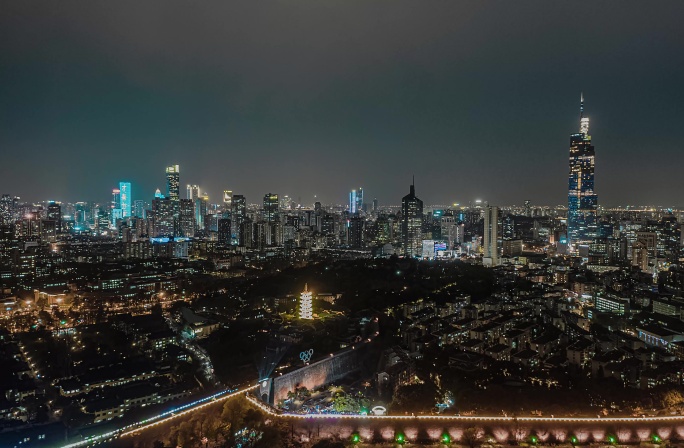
{"type": "Point", "coordinates": [139, 208]}
{"type": "Point", "coordinates": [8, 207]}
{"type": "Point", "coordinates": [285, 203]}
{"type": "Point", "coordinates": [193, 192]}
{"type": "Point", "coordinates": [224, 236]}
{"type": "Point", "coordinates": [355, 225]}
{"type": "Point", "coordinates": [238, 216]}
{"type": "Point", "coordinates": [186, 223]}
{"type": "Point", "coordinates": [411, 223]}
{"type": "Point", "coordinates": [125, 199]}
{"type": "Point", "coordinates": [271, 206]}
{"type": "Point", "coordinates": [116, 206]}
{"type": "Point", "coordinates": [227, 203]}
{"type": "Point", "coordinates": [201, 209]}
{"type": "Point", "coordinates": [490, 242]}
{"type": "Point", "coordinates": [163, 217]}
{"type": "Point", "coordinates": [173, 182]}
{"type": "Point", "coordinates": [582, 200]}
{"type": "Point", "coordinates": [54, 214]}
{"type": "Point", "coordinates": [356, 201]}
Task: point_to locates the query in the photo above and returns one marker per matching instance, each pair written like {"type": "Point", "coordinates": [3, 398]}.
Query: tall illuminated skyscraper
{"type": "Point", "coordinates": [173, 182]}
{"type": "Point", "coordinates": [352, 201]}
{"type": "Point", "coordinates": [356, 201]}
{"type": "Point", "coordinates": [582, 200]}
{"type": "Point", "coordinates": [491, 236]}
{"type": "Point", "coordinates": [193, 192]}
{"type": "Point", "coordinates": [412, 223]}
{"type": "Point", "coordinates": [271, 207]}
{"type": "Point", "coordinates": [227, 203]}
{"type": "Point", "coordinates": [125, 199]}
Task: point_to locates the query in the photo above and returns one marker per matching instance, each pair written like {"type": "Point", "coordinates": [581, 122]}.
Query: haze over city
{"type": "Point", "coordinates": [341, 224]}
{"type": "Point", "coordinates": [315, 98]}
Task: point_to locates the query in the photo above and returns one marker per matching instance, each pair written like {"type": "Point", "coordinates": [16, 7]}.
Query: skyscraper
{"type": "Point", "coordinates": [187, 218]}
{"type": "Point", "coordinates": [356, 201]}
{"type": "Point", "coordinates": [582, 201]}
{"type": "Point", "coordinates": [116, 206]}
{"type": "Point", "coordinates": [7, 209]}
{"type": "Point", "coordinates": [227, 203]}
{"type": "Point", "coordinates": [125, 199]}
{"type": "Point", "coordinates": [352, 202]}
{"type": "Point", "coordinates": [491, 236]}
{"type": "Point", "coordinates": [239, 214]}
{"type": "Point", "coordinates": [411, 223]}
{"type": "Point", "coordinates": [271, 206]}
{"type": "Point", "coordinates": [193, 192]}
{"type": "Point", "coordinates": [173, 182]}
{"type": "Point", "coordinates": [54, 214]}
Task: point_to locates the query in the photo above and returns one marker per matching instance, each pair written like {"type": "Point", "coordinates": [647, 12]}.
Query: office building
{"type": "Point", "coordinates": [582, 200]}
{"type": "Point", "coordinates": [125, 199]}
{"type": "Point", "coordinates": [271, 206]}
{"type": "Point", "coordinates": [54, 215]}
{"type": "Point", "coordinates": [8, 206]}
{"type": "Point", "coordinates": [201, 209]}
{"type": "Point", "coordinates": [490, 242]}
{"type": "Point", "coordinates": [193, 192]}
{"type": "Point", "coordinates": [412, 223]}
{"type": "Point", "coordinates": [139, 208]}
{"type": "Point", "coordinates": [186, 225]}
{"type": "Point", "coordinates": [173, 182]}
{"type": "Point", "coordinates": [227, 208]}
{"type": "Point", "coordinates": [238, 216]}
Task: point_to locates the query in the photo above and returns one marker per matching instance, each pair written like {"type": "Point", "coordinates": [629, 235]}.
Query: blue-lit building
{"type": "Point", "coordinates": [582, 200]}
{"type": "Point", "coordinates": [125, 198]}
{"type": "Point", "coordinates": [356, 201]}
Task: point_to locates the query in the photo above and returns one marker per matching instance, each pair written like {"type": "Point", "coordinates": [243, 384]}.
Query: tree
{"type": "Point", "coordinates": [472, 437]}
{"type": "Point", "coordinates": [671, 398]}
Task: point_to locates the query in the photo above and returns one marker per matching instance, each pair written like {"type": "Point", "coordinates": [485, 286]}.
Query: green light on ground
{"type": "Point", "coordinates": [446, 439]}
{"type": "Point", "coordinates": [573, 440]}
{"type": "Point", "coordinates": [400, 439]}
{"type": "Point", "coordinates": [356, 438]}
{"type": "Point", "coordinates": [612, 439]}
{"type": "Point", "coordinates": [534, 440]}
{"type": "Point", "coordinates": [657, 438]}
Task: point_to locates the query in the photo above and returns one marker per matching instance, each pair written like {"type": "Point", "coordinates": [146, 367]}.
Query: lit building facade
{"type": "Point", "coordinates": [582, 200]}
{"type": "Point", "coordinates": [412, 223]}
{"type": "Point", "coordinates": [173, 182]}
{"type": "Point", "coordinates": [125, 199]}
{"type": "Point", "coordinates": [306, 304]}
{"type": "Point", "coordinates": [490, 242]}
{"type": "Point", "coordinates": [271, 207]}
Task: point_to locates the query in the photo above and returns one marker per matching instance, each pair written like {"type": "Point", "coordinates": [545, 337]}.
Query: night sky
{"type": "Point", "coordinates": [315, 97]}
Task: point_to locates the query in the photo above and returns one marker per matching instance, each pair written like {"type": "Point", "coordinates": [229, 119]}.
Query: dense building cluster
{"type": "Point", "coordinates": [109, 308]}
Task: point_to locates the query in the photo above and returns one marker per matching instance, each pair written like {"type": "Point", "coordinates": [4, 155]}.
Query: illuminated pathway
{"type": "Point", "coordinates": [576, 430]}
{"type": "Point", "coordinates": [164, 417]}
{"type": "Point", "coordinates": [432, 428]}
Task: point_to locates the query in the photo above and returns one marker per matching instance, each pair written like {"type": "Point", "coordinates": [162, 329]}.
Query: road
{"type": "Point", "coordinates": [162, 418]}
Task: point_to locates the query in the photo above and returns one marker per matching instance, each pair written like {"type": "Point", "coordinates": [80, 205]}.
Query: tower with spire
{"type": "Point", "coordinates": [582, 199]}
{"type": "Point", "coordinates": [412, 223]}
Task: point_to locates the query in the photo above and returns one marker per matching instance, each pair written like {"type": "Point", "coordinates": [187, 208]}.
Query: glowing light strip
{"type": "Point", "coordinates": [163, 417]}
{"type": "Point", "coordinates": [269, 410]}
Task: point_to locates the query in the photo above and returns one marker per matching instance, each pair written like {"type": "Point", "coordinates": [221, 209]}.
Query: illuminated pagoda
{"type": "Point", "coordinates": [305, 304]}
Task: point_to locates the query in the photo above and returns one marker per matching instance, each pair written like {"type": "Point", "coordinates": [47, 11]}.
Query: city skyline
{"type": "Point", "coordinates": [460, 103]}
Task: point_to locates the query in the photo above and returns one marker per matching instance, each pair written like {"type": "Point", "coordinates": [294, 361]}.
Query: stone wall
{"type": "Point", "coordinates": [317, 374]}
